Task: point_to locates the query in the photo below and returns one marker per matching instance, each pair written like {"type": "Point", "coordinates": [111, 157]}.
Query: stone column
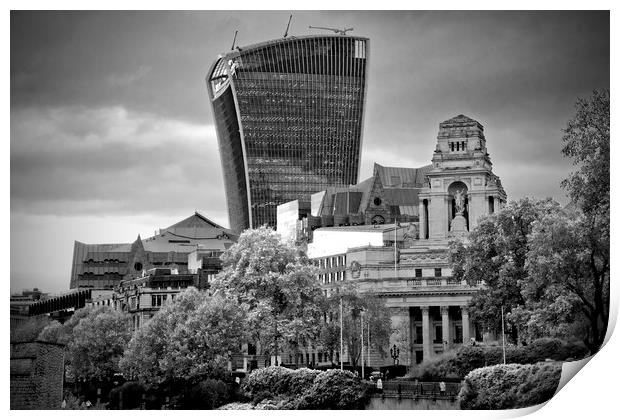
{"type": "Point", "coordinates": [446, 212]}
{"type": "Point", "coordinates": [465, 322]}
{"type": "Point", "coordinates": [427, 342]}
{"type": "Point", "coordinates": [445, 327]}
{"type": "Point", "coordinates": [422, 219]}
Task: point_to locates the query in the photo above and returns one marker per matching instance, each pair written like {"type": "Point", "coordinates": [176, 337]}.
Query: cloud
{"type": "Point", "coordinates": [126, 79]}
{"type": "Point", "coordinates": [111, 160]}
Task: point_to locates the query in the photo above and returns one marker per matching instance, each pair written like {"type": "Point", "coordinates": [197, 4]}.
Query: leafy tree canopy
{"type": "Point", "coordinates": [188, 339]}
{"type": "Point", "coordinates": [279, 287]}
{"type": "Point", "coordinates": [358, 309]}
{"type": "Point", "coordinates": [98, 342]}
{"type": "Point", "coordinates": [496, 257]}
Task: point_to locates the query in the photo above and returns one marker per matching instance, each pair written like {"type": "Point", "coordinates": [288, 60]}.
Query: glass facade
{"type": "Point", "coordinates": [289, 116]}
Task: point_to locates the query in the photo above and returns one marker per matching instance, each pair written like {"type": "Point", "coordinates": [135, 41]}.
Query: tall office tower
{"type": "Point", "coordinates": [289, 116]}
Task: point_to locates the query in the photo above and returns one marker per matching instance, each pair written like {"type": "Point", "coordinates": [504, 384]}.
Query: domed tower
{"type": "Point", "coordinates": [462, 187]}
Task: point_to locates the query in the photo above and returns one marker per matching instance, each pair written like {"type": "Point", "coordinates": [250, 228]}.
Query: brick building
{"type": "Point", "coordinates": [37, 370]}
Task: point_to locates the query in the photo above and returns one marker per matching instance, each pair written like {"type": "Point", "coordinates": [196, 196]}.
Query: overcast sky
{"type": "Point", "coordinates": [112, 133]}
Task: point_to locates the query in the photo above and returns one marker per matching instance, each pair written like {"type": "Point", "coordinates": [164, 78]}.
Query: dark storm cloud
{"type": "Point", "coordinates": [72, 161]}
{"type": "Point", "coordinates": [110, 115]}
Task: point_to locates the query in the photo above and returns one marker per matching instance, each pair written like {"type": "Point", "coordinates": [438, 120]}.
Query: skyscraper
{"type": "Point", "coordinates": [289, 116]}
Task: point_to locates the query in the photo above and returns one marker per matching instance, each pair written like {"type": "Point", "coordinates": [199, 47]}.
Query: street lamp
{"type": "Point", "coordinates": [394, 352]}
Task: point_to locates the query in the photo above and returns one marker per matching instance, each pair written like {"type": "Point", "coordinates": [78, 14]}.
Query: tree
{"type": "Point", "coordinates": [30, 330]}
{"type": "Point", "coordinates": [189, 339]}
{"type": "Point", "coordinates": [569, 275]}
{"type": "Point", "coordinates": [357, 308]}
{"type": "Point", "coordinates": [586, 142]}
{"type": "Point", "coordinates": [98, 342]}
{"type": "Point", "coordinates": [496, 257]}
{"type": "Point", "coordinates": [279, 287]}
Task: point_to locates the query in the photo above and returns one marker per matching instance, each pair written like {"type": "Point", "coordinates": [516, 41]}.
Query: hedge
{"type": "Point", "coordinates": [334, 390]}
{"type": "Point", "coordinates": [277, 387]}
{"type": "Point", "coordinates": [509, 386]}
{"type": "Point", "coordinates": [277, 380]}
{"type": "Point", "coordinates": [457, 364]}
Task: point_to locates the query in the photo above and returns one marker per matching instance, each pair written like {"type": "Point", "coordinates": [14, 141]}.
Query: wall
{"type": "Point", "coordinates": [377, 403]}
{"type": "Point", "coordinates": [37, 370]}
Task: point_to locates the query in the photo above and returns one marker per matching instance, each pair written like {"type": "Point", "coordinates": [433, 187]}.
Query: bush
{"type": "Point", "coordinates": [457, 364]}
{"type": "Point", "coordinates": [277, 380]}
{"type": "Point", "coordinates": [126, 396]}
{"type": "Point", "coordinates": [334, 389]}
{"type": "Point", "coordinates": [207, 395]}
{"type": "Point", "coordinates": [509, 386]}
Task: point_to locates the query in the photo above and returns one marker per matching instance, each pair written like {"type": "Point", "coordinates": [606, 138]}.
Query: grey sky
{"type": "Point", "coordinates": [112, 133]}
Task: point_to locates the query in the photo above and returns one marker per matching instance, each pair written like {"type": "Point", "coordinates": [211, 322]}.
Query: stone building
{"type": "Point", "coordinates": [406, 261]}
{"type": "Point", "coordinates": [103, 266]}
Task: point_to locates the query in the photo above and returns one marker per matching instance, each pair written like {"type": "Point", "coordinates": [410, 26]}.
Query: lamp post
{"type": "Point", "coordinates": [362, 338]}
{"type": "Point", "coordinates": [394, 352]}
{"type": "Point", "coordinates": [341, 337]}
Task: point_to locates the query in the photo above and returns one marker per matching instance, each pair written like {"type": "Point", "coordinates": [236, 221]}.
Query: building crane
{"type": "Point", "coordinates": [338, 31]}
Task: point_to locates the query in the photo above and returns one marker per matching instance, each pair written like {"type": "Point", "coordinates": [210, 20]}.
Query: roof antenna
{"type": "Point", "coordinates": [287, 26]}
{"type": "Point", "coordinates": [234, 39]}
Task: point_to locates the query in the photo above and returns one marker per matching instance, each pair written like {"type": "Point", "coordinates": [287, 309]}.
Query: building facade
{"type": "Point", "coordinates": [103, 266]}
{"type": "Point", "coordinates": [408, 264]}
{"type": "Point", "coordinates": [289, 116]}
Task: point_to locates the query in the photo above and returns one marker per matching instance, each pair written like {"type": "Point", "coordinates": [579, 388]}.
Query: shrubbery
{"type": "Point", "coordinates": [130, 393]}
{"type": "Point", "coordinates": [457, 364]}
{"type": "Point", "coordinates": [207, 395]}
{"type": "Point", "coordinates": [277, 380]}
{"type": "Point", "coordinates": [281, 388]}
{"type": "Point", "coordinates": [334, 389]}
{"type": "Point", "coordinates": [509, 386]}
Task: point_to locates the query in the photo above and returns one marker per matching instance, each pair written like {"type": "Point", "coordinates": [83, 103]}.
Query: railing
{"type": "Point", "coordinates": [411, 389]}
{"type": "Point", "coordinates": [419, 282]}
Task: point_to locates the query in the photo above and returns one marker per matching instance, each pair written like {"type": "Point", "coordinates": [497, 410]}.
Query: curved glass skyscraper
{"type": "Point", "coordinates": [289, 116]}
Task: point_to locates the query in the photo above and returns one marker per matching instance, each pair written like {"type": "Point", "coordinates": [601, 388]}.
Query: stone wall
{"type": "Point", "coordinates": [378, 403]}
{"type": "Point", "coordinates": [37, 369]}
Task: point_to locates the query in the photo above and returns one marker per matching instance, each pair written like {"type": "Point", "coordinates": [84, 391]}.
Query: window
{"type": "Point", "coordinates": [438, 334]}
{"type": "Point", "coordinates": [418, 334]}
{"type": "Point", "coordinates": [438, 272]}
{"type": "Point", "coordinates": [418, 272]}
{"type": "Point", "coordinates": [158, 300]}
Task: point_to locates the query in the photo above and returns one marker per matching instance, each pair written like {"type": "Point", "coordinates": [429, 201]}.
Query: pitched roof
{"type": "Point", "coordinates": [460, 121]}
{"type": "Point", "coordinates": [402, 177]}
{"type": "Point", "coordinates": [193, 221]}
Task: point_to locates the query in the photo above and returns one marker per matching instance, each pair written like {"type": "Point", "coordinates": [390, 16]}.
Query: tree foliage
{"type": "Point", "coordinates": [277, 285]}
{"type": "Point", "coordinates": [549, 267]}
{"type": "Point", "coordinates": [586, 142]}
{"type": "Point", "coordinates": [568, 263]}
{"type": "Point", "coordinates": [30, 329]}
{"type": "Point", "coordinates": [188, 339]}
{"type": "Point", "coordinates": [496, 257]}
{"type": "Point", "coordinates": [357, 308]}
{"type": "Point", "coordinates": [98, 342]}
